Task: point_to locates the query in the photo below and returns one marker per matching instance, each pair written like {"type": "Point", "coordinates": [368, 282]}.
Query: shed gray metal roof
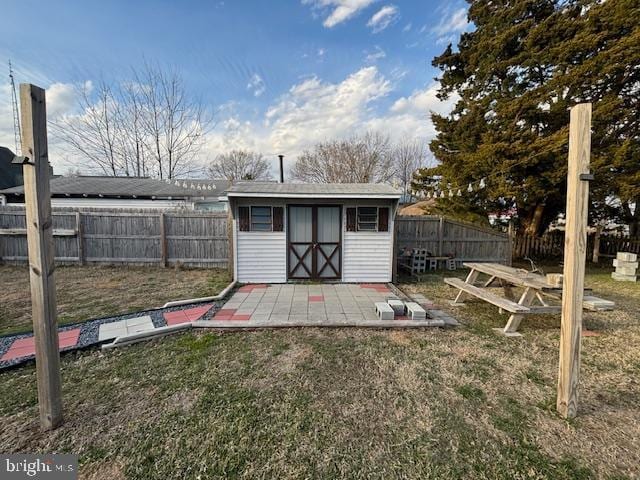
{"type": "Point", "coordinates": [327, 190]}
{"type": "Point", "coordinates": [131, 186]}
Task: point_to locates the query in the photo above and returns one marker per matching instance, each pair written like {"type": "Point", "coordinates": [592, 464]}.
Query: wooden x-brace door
{"type": "Point", "coordinates": [314, 242]}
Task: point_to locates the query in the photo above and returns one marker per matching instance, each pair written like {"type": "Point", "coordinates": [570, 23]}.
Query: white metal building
{"type": "Point", "coordinates": [129, 192]}
{"type": "Point", "coordinates": [291, 231]}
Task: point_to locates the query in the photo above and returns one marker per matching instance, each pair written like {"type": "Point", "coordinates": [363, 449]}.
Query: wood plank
{"type": "Point", "coordinates": [39, 223]}
{"type": "Point", "coordinates": [516, 276]}
{"type": "Point", "coordinates": [514, 320]}
{"type": "Point", "coordinates": [487, 296]}
{"type": "Point", "coordinates": [471, 279]}
{"type": "Point", "coordinates": [575, 250]}
{"type": "Point", "coordinates": [58, 232]}
{"type": "Point", "coordinates": [597, 304]}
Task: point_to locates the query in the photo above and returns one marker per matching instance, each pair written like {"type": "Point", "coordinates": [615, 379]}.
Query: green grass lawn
{"type": "Point", "coordinates": [348, 403]}
{"type": "Point", "coordinates": [98, 291]}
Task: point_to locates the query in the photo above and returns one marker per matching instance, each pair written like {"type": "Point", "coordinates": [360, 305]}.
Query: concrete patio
{"type": "Point", "coordinates": [335, 305]}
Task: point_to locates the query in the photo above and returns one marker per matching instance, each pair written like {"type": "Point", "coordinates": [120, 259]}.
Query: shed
{"type": "Point", "coordinates": [322, 232]}
{"type": "Point", "coordinates": [130, 192]}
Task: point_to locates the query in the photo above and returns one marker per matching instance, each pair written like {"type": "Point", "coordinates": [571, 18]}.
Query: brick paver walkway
{"type": "Point", "coordinates": [300, 303]}
{"type": "Point", "coordinates": [26, 347]}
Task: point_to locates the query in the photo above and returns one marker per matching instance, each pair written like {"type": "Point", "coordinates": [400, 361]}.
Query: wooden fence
{"type": "Point", "coordinates": [445, 237]}
{"type": "Point", "coordinates": [551, 245]}
{"type": "Point", "coordinates": [124, 237]}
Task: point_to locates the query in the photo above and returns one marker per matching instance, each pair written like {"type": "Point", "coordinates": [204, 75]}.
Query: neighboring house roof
{"type": "Point", "coordinates": [301, 190]}
{"type": "Point", "coordinates": [422, 207]}
{"type": "Point", "coordinates": [131, 187]}
{"type": "Point", "coordinates": [10, 174]}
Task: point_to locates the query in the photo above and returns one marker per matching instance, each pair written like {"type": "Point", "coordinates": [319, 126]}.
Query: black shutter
{"type": "Point", "coordinates": [383, 219]}
{"type": "Point", "coordinates": [278, 219]}
{"type": "Point", "coordinates": [351, 219]}
{"type": "Point", "coordinates": [244, 221]}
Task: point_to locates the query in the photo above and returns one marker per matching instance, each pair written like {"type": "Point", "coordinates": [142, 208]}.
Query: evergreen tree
{"type": "Point", "coordinates": [516, 75]}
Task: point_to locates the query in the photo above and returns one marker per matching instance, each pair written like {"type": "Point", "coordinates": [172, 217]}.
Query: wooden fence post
{"type": "Point", "coordinates": [230, 235]}
{"type": "Point", "coordinates": [41, 254]}
{"type": "Point", "coordinates": [79, 238]}
{"type": "Point", "coordinates": [440, 235]}
{"type": "Point", "coordinates": [596, 244]}
{"type": "Point", "coordinates": [163, 240]}
{"type": "Point", "coordinates": [575, 249]}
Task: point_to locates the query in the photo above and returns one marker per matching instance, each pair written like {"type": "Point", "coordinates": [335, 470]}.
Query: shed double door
{"type": "Point", "coordinates": [314, 237]}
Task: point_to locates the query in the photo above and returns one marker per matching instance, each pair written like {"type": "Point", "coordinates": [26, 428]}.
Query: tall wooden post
{"type": "Point", "coordinates": [575, 251]}
{"type": "Point", "coordinates": [40, 243]}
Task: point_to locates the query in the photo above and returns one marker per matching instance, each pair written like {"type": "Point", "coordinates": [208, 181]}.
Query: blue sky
{"type": "Point", "coordinates": [279, 75]}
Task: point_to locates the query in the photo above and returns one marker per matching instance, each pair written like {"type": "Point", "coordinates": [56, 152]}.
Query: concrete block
{"type": "Point", "coordinates": [396, 305]}
{"type": "Point", "coordinates": [624, 278]}
{"type": "Point", "coordinates": [415, 311]}
{"type": "Point", "coordinates": [384, 311]}
{"type": "Point", "coordinates": [627, 256]}
{"type": "Point", "coordinates": [626, 270]}
{"type": "Point", "coordinates": [126, 327]}
{"type": "Point", "coordinates": [623, 263]}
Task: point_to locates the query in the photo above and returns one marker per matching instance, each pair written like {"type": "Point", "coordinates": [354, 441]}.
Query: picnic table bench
{"type": "Point", "coordinates": [532, 301]}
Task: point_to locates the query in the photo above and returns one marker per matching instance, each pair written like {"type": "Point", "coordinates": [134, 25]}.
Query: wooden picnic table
{"type": "Point", "coordinates": [536, 288]}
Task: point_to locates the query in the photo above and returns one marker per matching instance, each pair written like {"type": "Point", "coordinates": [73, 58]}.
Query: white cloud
{"type": "Point", "coordinates": [341, 10]}
{"type": "Point", "coordinates": [453, 22]}
{"type": "Point", "coordinates": [256, 85]}
{"type": "Point", "coordinates": [313, 111]}
{"type": "Point", "coordinates": [411, 116]}
{"type": "Point", "coordinates": [321, 52]}
{"type": "Point", "coordinates": [6, 117]}
{"type": "Point", "coordinates": [407, 27]}
{"type": "Point", "coordinates": [377, 54]}
{"type": "Point", "coordinates": [62, 98]}
{"type": "Point", "coordinates": [383, 18]}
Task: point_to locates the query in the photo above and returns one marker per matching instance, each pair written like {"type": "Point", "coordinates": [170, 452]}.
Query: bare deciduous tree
{"type": "Point", "coordinates": [359, 159]}
{"type": "Point", "coordinates": [240, 165]}
{"type": "Point", "coordinates": [150, 126]}
{"type": "Point", "coordinates": [92, 133]}
{"type": "Point", "coordinates": [408, 156]}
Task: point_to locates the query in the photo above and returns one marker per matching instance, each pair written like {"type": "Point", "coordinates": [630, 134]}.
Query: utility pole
{"type": "Point", "coordinates": [575, 252]}
{"type": "Point", "coordinates": [14, 107]}
{"type": "Point", "coordinates": [37, 199]}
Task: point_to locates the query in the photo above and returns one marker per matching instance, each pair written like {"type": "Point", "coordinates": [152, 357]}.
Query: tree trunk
{"type": "Point", "coordinates": [633, 220]}
{"type": "Point", "coordinates": [533, 220]}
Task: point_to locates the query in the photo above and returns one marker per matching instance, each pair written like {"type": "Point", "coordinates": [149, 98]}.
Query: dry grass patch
{"type": "Point", "coordinates": [347, 403]}
{"type": "Point", "coordinates": [97, 291]}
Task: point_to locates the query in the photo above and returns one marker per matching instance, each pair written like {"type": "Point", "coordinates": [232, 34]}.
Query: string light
{"type": "Point", "coordinates": [459, 194]}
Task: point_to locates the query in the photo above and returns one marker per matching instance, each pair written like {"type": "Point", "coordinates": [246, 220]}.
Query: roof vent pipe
{"type": "Point", "coordinates": [281, 157]}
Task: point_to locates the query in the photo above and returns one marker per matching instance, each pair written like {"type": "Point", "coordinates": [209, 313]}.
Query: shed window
{"type": "Point", "coordinates": [367, 219]}
{"type": "Point", "coordinates": [261, 219]}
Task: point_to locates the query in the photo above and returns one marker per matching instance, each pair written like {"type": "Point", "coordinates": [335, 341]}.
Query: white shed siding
{"type": "Point", "coordinates": [262, 257]}
{"type": "Point", "coordinates": [367, 257]}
